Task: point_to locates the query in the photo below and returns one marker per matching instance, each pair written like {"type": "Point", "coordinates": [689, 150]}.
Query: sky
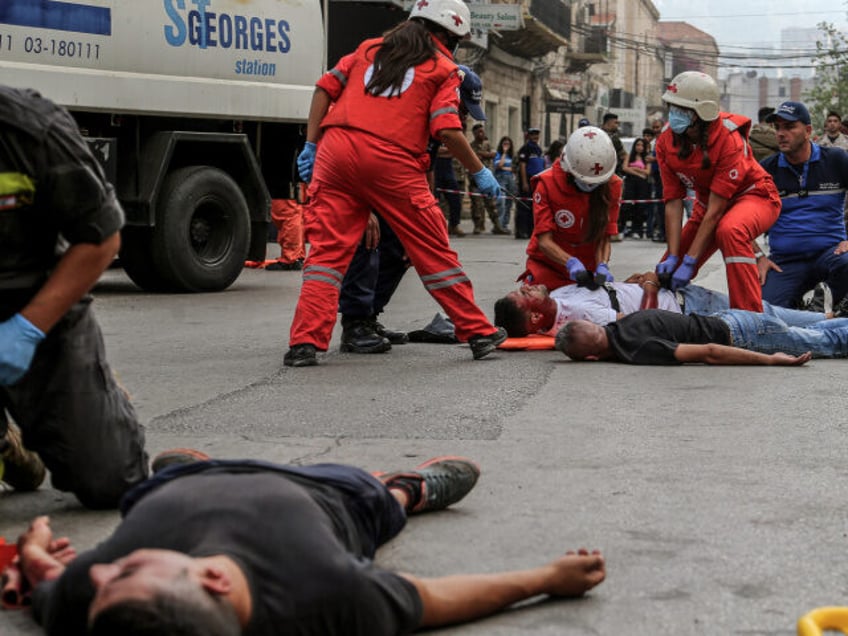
{"type": "Point", "coordinates": [744, 29]}
{"type": "Point", "coordinates": [752, 23]}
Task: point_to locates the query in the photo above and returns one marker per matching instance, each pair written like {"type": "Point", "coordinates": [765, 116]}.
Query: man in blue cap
{"type": "Point", "coordinates": [808, 243]}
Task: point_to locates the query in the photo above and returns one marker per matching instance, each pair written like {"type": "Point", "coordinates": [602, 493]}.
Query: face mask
{"type": "Point", "coordinates": [679, 120]}
{"type": "Point", "coordinates": [585, 187]}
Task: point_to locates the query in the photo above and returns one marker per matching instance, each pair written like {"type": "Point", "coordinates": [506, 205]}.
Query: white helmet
{"type": "Point", "coordinates": [452, 15]}
{"type": "Point", "coordinates": [694, 90]}
{"type": "Point", "coordinates": [589, 155]}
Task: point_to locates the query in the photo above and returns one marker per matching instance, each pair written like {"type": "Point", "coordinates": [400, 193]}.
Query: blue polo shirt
{"type": "Point", "coordinates": [813, 199]}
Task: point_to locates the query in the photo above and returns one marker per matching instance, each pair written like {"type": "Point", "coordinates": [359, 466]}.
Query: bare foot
{"type": "Point", "coordinates": [576, 573]}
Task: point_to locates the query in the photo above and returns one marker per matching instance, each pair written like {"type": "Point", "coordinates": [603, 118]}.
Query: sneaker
{"type": "Point", "coordinates": [840, 310]}
{"type": "Point", "coordinates": [302, 355]}
{"type": "Point", "coordinates": [455, 230]}
{"type": "Point", "coordinates": [821, 300]}
{"type": "Point", "coordinates": [435, 484]}
{"type": "Point", "coordinates": [20, 468]}
{"type": "Point", "coordinates": [177, 457]}
{"type": "Point", "coordinates": [481, 346]}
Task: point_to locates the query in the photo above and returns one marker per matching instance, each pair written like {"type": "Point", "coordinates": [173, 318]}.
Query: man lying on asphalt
{"type": "Point", "coordinates": [733, 336]}
{"type": "Point", "coordinates": [533, 309]}
{"type": "Point", "coordinates": [247, 547]}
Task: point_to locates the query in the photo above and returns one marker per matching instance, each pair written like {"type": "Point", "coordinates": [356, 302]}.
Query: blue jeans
{"type": "Point", "coordinates": [703, 302]}
{"type": "Point", "coordinates": [801, 273]}
{"type": "Point", "coordinates": [507, 182]}
{"type": "Point", "coordinates": [766, 334]}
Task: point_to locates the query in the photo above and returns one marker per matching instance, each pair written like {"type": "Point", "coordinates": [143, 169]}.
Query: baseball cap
{"type": "Point", "coordinates": [583, 122]}
{"type": "Point", "coordinates": [791, 111]}
{"type": "Point", "coordinates": [471, 93]}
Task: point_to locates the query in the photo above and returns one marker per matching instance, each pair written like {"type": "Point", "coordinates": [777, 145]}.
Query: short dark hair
{"type": "Point", "coordinates": [833, 113]}
{"type": "Point", "coordinates": [476, 126]}
{"type": "Point", "coordinates": [569, 340]}
{"type": "Point", "coordinates": [764, 112]}
{"type": "Point", "coordinates": [648, 131]}
{"type": "Point", "coordinates": [609, 116]}
{"type": "Point", "coordinates": [511, 317]}
{"type": "Point", "coordinates": [183, 610]}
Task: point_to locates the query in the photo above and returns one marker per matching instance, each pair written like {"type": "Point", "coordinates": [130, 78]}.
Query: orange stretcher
{"type": "Point", "coordinates": [534, 342]}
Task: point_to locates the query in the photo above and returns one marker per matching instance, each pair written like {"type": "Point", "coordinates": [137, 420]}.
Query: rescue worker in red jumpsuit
{"type": "Point", "coordinates": [388, 98]}
{"type": "Point", "coordinates": [736, 199]}
{"type": "Point", "coordinates": [575, 210]}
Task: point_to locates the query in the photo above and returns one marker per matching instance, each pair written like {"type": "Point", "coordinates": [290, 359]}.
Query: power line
{"type": "Point", "coordinates": [745, 15]}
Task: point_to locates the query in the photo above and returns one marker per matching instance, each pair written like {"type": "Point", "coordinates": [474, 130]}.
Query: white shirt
{"type": "Point", "coordinates": [581, 303]}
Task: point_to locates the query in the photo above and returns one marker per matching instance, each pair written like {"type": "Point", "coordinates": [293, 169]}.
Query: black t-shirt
{"type": "Point", "coordinates": [652, 336]}
{"type": "Point", "coordinates": [305, 574]}
{"type": "Point", "coordinates": [51, 186]}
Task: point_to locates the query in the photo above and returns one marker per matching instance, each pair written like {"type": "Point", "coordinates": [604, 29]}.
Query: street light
{"type": "Point", "coordinates": [572, 104]}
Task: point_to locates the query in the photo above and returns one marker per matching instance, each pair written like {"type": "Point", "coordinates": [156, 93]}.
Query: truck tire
{"type": "Point", "coordinates": [137, 259]}
{"type": "Point", "coordinates": [202, 233]}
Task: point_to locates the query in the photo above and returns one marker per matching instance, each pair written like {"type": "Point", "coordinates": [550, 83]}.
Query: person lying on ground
{"type": "Point", "coordinates": [533, 309]}
{"type": "Point", "coordinates": [732, 336]}
{"type": "Point", "coordinates": [220, 547]}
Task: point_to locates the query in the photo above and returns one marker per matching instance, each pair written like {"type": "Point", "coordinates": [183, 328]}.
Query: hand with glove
{"type": "Point", "coordinates": [578, 273]}
{"type": "Point", "coordinates": [486, 183]}
{"type": "Point", "coordinates": [603, 275]}
{"type": "Point", "coordinates": [683, 274]}
{"type": "Point", "coordinates": [665, 269]}
{"type": "Point", "coordinates": [18, 341]}
{"type": "Point", "coordinates": [306, 161]}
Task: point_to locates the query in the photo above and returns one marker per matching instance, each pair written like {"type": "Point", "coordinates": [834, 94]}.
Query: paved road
{"type": "Point", "coordinates": [717, 494]}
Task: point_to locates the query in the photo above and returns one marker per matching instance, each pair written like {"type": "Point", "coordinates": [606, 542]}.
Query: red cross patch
{"type": "Point", "coordinates": [672, 88]}
{"type": "Point", "coordinates": [597, 168]}
{"type": "Point", "coordinates": [457, 20]}
{"type": "Point", "coordinates": [422, 4]}
{"type": "Point", "coordinates": [590, 134]}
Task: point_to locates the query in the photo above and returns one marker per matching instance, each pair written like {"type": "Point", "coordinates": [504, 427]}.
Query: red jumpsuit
{"type": "Point", "coordinates": [753, 201]}
{"type": "Point", "coordinates": [563, 210]}
{"type": "Point", "coordinates": [373, 155]}
{"type": "Point", "coordinates": [287, 215]}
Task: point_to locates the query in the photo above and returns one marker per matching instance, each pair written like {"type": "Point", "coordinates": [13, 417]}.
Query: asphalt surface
{"type": "Point", "coordinates": [716, 494]}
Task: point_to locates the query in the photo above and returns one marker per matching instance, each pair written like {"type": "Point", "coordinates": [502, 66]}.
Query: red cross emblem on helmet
{"type": "Point", "coordinates": [590, 134]}
{"type": "Point", "coordinates": [672, 88]}
{"type": "Point", "coordinates": [422, 4]}
{"type": "Point", "coordinates": [457, 20]}
{"type": "Point", "coordinates": [597, 168]}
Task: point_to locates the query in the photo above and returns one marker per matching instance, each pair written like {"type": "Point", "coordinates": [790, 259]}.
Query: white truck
{"type": "Point", "coordinates": [194, 107]}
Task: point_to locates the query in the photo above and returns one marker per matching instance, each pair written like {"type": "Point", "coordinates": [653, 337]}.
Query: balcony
{"type": "Point", "coordinates": [594, 50]}
{"type": "Point", "coordinates": [547, 26]}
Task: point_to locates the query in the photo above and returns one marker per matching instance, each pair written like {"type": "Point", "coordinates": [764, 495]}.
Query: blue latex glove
{"type": "Point", "coordinates": [306, 160]}
{"type": "Point", "coordinates": [683, 274]}
{"type": "Point", "coordinates": [18, 341]}
{"type": "Point", "coordinates": [486, 183]}
{"type": "Point", "coordinates": [574, 267]}
{"type": "Point", "coordinates": [667, 266]}
{"type": "Point", "coordinates": [602, 274]}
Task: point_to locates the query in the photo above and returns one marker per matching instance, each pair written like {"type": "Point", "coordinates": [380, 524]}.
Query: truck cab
{"type": "Point", "coordinates": [195, 108]}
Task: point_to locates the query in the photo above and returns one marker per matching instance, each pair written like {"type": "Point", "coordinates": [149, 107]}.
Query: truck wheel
{"type": "Point", "coordinates": [202, 232]}
{"type": "Point", "coordinates": [137, 259]}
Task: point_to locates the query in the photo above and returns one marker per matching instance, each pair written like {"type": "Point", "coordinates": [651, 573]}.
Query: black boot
{"type": "Point", "coordinates": [394, 337]}
{"type": "Point", "coordinates": [359, 336]}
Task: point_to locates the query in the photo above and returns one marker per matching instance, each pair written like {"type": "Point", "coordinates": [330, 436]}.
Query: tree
{"type": "Point", "coordinates": [831, 86]}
